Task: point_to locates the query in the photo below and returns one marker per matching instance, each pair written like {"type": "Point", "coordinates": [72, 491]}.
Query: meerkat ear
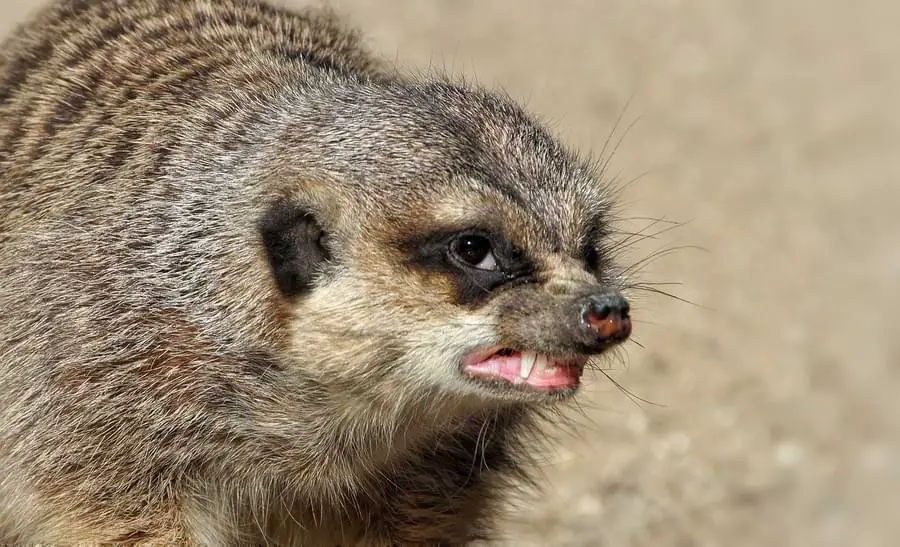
{"type": "Point", "coordinates": [292, 237]}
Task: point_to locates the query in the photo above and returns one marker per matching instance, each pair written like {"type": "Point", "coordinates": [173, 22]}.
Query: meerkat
{"type": "Point", "coordinates": [258, 287]}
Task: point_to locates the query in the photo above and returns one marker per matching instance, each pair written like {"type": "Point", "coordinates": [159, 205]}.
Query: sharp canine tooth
{"type": "Point", "coordinates": [528, 358]}
{"type": "Point", "coordinates": [541, 362]}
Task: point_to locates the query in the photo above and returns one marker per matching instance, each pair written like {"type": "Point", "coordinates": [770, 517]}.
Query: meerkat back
{"type": "Point", "coordinates": [104, 106]}
{"type": "Point", "coordinates": [257, 288]}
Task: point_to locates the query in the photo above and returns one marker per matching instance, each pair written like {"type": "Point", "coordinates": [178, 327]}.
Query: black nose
{"type": "Point", "coordinates": [605, 320]}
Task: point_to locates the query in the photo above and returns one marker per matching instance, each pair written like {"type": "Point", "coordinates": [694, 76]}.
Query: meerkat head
{"type": "Point", "coordinates": [434, 241]}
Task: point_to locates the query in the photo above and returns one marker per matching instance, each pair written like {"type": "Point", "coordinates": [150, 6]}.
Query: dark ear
{"type": "Point", "coordinates": [293, 241]}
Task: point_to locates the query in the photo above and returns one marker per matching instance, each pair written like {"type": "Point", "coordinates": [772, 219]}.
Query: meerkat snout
{"type": "Point", "coordinates": [606, 319]}
{"type": "Point", "coordinates": [548, 338]}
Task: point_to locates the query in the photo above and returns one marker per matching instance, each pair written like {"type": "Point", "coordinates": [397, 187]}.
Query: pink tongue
{"type": "Point", "coordinates": [509, 368]}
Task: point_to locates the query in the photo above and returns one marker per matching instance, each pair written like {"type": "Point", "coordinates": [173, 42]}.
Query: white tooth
{"type": "Point", "coordinates": [541, 362]}
{"type": "Point", "coordinates": [528, 358]}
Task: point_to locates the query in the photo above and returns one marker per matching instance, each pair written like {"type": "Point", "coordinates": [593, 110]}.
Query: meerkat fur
{"type": "Point", "coordinates": [232, 304]}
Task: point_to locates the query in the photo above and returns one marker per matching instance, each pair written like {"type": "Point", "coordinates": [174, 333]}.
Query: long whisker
{"type": "Point", "coordinates": [631, 396]}
{"type": "Point", "coordinates": [633, 238]}
{"type": "Point", "coordinates": [634, 341]}
{"type": "Point", "coordinates": [612, 132]}
{"type": "Point", "coordinates": [661, 292]}
{"type": "Point", "coordinates": [656, 255]}
{"type": "Point", "coordinates": [605, 165]}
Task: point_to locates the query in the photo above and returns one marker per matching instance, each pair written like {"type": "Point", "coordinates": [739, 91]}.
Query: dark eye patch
{"type": "Point", "coordinates": [434, 252]}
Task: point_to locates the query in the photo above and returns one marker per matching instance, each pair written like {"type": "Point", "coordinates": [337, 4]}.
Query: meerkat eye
{"type": "Point", "coordinates": [476, 251]}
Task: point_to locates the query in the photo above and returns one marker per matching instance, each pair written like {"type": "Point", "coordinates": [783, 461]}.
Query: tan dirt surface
{"type": "Point", "coordinates": [771, 131]}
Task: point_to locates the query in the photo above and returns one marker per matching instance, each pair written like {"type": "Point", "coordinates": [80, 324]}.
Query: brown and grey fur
{"type": "Point", "coordinates": [159, 384]}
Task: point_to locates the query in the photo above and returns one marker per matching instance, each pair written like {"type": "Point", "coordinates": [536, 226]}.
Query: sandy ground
{"type": "Point", "coordinates": [769, 130]}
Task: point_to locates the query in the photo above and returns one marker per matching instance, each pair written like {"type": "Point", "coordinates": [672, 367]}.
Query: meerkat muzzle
{"type": "Point", "coordinates": [548, 339]}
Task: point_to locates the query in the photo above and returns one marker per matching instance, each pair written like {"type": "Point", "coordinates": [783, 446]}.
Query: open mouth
{"type": "Point", "coordinates": [525, 369]}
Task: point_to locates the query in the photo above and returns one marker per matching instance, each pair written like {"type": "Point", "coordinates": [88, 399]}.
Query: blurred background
{"type": "Point", "coordinates": [761, 144]}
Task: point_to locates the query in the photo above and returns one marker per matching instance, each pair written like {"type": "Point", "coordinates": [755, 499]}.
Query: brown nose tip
{"type": "Point", "coordinates": [606, 317]}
